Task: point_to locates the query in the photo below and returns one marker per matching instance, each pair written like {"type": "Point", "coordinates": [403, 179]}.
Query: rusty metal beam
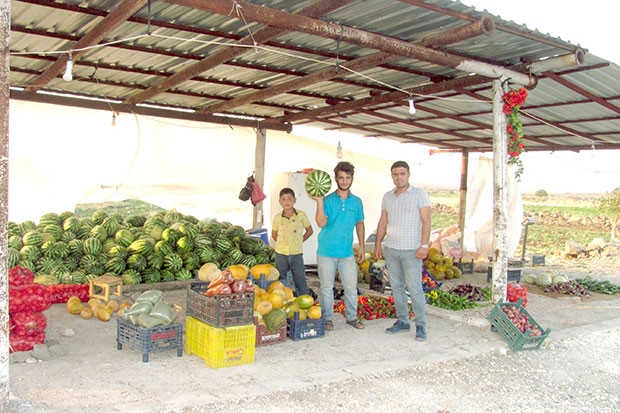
{"type": "Point", "coordinates": [149, 111]}
{"type": "Point", "coordinates": [289, 21]}
{"type": "Point", "coordinates": [316, 9]}
{"type": "Point", "coordinates": [430, 89]}
{"type": "Point", "coordinates": [107, 25]}
{"type": "Point", "coordinates": [483, 26]}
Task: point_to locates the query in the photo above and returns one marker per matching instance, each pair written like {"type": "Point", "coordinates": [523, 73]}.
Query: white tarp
{"type": "Point", "coordinates": [63, 156]}
{"type": "Point", "coordinates": [478, 233]}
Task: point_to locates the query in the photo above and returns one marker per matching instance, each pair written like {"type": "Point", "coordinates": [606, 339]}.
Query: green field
{"type": "Point", "coordinates": [541, 239]}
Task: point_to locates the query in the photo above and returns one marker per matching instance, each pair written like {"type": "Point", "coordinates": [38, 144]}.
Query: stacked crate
{"type": "Point", "coordinates": [220, 328]}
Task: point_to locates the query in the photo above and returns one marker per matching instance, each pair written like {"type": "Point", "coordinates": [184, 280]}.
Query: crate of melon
{"type": "Point", "coordinates": [219, 310]}
{"type": "Point", "coordinates": [517, 326]}
{"type": "Point", "coordinates": [264, 336]}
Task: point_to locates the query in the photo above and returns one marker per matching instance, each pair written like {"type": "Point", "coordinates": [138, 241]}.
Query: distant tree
{"type": "Point", "coordinates": [541, 193]}
{"type": "Point", "coordinates": [609, 205]}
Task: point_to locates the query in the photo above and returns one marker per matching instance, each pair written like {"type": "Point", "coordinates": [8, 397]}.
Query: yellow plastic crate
{"type": "Point", "coordinates": [220, 347]}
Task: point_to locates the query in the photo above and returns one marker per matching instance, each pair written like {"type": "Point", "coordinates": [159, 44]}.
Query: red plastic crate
{"type": "Point", "coordinates": [264, 336]}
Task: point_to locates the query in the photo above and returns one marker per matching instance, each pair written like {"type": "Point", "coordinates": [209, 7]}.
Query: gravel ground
{"type": "Point", "coordinates": [575, 374]}
{"type": "Point", "coordinates": [463, 367]}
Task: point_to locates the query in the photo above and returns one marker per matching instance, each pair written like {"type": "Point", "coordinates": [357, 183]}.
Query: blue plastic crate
{"type": "Point", "coordinates": [425, 285]}
{"type": "Point", "coordinates": [149, 340]}
{"type": "Point", "coordinates": [305, 329]}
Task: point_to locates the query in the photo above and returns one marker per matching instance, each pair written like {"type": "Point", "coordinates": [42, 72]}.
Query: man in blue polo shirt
{"type": "Point", "coordinates": [338, 214]}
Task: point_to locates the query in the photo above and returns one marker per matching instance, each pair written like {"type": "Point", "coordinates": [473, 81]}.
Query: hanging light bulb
{"type": "Point", "coordinates": [113, 118]}
{"type": "Point", "coordinates": [68, 76]}
{"type": "Point", "coordinates": [412, 109]}
{"type": "Point", "coordinates": [339, 151]}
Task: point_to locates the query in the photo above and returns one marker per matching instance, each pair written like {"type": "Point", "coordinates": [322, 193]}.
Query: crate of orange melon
{"type": "Point", "coordinates": [269, 313]}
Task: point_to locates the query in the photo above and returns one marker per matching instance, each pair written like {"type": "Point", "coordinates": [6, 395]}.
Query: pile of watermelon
{"type": "Point", "coordinates": [156, 247]}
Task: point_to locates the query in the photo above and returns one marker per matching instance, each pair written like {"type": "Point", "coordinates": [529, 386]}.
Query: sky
{"type": "Point", "coordinates": [578, 22]}
{"type": "Point", "coordinates": [594, 171]}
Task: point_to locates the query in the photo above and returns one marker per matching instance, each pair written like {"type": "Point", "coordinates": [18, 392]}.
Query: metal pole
{"type": "Point", "coordinates": [500, 196]}
{"type": "Point", "coordinates": [524, 242]}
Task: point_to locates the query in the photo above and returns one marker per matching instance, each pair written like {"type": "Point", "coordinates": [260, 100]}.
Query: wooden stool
{"type": "Point", "coordinates": [105, 282]}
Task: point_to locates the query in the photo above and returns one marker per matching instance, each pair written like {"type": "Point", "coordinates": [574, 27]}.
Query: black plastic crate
{"type": "Point", "coordinates": [149, 340]}
{"type": "Point", "coordinates": [538, 260]}
{"type": "Point", "coordinates": [466, 267]}
{"type": "Point", "coordinates": [219, 310]}
{"type": "Point", "coordinates": [514, 274]}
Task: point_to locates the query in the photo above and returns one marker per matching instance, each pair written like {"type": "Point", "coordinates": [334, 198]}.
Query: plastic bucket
{"type": "Point", "coordinates": [259, 233]}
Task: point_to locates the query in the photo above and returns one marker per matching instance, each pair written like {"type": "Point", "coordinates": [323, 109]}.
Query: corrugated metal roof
{"type": "Point", "coordinates": [182, 57]}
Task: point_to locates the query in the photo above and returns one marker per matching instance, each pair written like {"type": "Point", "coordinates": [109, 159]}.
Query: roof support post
{"type": "Point", "coordinates": [500, 196]}
{"type": "Point", "coordinates": [259, 175]}
{"type": "Point", "coordinates": [5, 25]}
{"type": "Point", "coordinates": [463, 193]}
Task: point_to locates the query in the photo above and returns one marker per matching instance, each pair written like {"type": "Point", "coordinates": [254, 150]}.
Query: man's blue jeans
{"type": "Point", "coordinates": [405, 271]}
{"type": "Point", "coordinates": [347, 269]}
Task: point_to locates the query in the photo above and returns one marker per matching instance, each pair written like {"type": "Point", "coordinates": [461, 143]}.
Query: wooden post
{"type": "Point", "coordinates": [463, 194]}
{"type": "Point", "coordinates": [259, 175]}
{"type": "Point", "coordinates": [5, 24]}
{"type": "Point", "coordinates": [500, 196]}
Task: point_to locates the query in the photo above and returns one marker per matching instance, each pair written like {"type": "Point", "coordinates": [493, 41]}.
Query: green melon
{"type": "Point", "coordinates": [275, 319]}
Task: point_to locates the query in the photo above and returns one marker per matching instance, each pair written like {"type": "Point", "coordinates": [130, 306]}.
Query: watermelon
{"type": "Point", "coordinates": [32, 238]}
{"type": "Point", "coordinates": [173, 262]}
{"type": "Point", "coordinates": [318, 183]}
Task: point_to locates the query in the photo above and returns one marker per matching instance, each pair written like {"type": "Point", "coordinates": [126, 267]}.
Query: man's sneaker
{"type": "Point", "coordinates": [398, 327]}
{"type": "Point", "coordinates": [420, 333]}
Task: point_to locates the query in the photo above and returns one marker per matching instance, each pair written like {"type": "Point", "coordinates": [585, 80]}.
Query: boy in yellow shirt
{"type": "Point", "coordinates": [290, 229]}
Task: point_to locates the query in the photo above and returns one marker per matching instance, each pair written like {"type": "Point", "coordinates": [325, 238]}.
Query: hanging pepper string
{"type": "Point", "coordinates": [513, 100]}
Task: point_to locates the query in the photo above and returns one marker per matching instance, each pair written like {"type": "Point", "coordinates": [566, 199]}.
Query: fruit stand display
{"type": "Point", "coordinates": [219, 325]}
{"type": "Point", "coordinates": [147, 326]}
{"type": "Point", "coordinates": [280, 312]}
{"type": "Point", "coordinates": [151, 248]}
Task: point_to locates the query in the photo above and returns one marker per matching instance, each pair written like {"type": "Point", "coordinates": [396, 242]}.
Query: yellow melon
{"type": "Point", "coordinates": [274, 285]}
{"type": "Point", "coordinates": [114, 305]}
{"type": "Point", "coordinates": [264, 307]}
{"type": "Point", "coordinates": [276, 300]}
{"type": "Point", "coordinates": [238, 271]}
{"type": "Point", "coordinates": [208, 272]}
{"type": "Point", "coordinates": [314, 312]}
{"type": "Point", "coordinates": [288, 293]}
{"type": "Point", "coordinates": [290, 309]}
{"type": "Point", "coordinates": [280, 292]}
{"type": "Point", "coordinates": [269, 270]}
{"type": "Point", "coordinates": [86, 313]}
{"type": "Point", "coordinates": [74, 306]}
